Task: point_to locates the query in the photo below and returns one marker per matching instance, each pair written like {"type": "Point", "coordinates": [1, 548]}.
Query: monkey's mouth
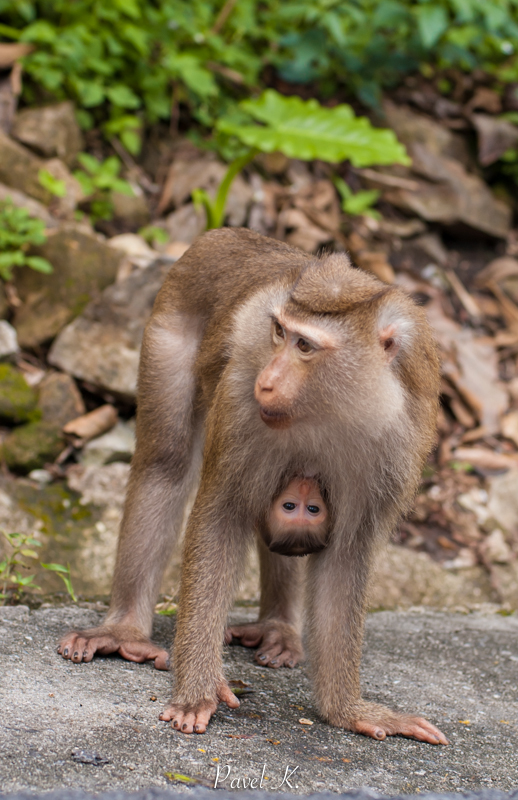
{"type": "Point", "coordinates": [275, 419]}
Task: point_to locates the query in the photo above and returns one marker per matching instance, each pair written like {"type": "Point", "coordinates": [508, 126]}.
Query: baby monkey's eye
{"type": "Point", "coordinates": [288, 506]}
{"type": "Point", "coordinates": [279, 330]}
{"type": "Point", "coordinates": [313, 509]}
{"type": "Point", "coordinates": [304, 346]}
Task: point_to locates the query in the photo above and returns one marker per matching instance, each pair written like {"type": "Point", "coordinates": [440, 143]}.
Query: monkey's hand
{"type": "Point", "coordinates": [279, 643]}
{"type": "Point", "coordinates": [126, 640]}
{"type": "Point", "coordinates": [379, 722]}
{"type": "Point", "coordinates": [194, 718]}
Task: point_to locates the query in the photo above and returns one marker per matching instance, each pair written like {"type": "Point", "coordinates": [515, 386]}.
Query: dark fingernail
{"type": "Point", "coordinates": [379, 734]}
{"type": "Point", "coordinates": [196, 728]}
{"type": "Point", "coordinates": [85, 653]}
{"type": "Point", "coordinates": [65, 651]}
{"type": "Point", "coordinates": [76, 654]}
{"type": "Point", "coordinates": [261, 657]}
{"type": "Point", "coordinates": [274, 661]}
{"type": "Point", "coordinates": [175, 723]}
{"type": "Point", "coordinates": [291, 664]}
{"type": "Point", "coordinates": [168, 663]}
{"type": "Point", "coordinates": [184, 726]}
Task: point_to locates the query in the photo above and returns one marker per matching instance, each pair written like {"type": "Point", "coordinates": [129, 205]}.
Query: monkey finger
{"type": "Point", "coordinates": [369, 729]}
{"type": "Point", "coordinates": [249, 635]}
{"type": "Point", "coordinates": [226, 695]}
{"type": "Point", "coordinates": [143, 651]}
{"type": "Point", "coordinates": [424, 731]}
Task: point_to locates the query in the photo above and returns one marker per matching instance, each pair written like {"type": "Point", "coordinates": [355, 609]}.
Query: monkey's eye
{"type": "Point", "coordinates": [304, 346]}
{"type": "Point", "coordinates": [313, 509]}
{"type": "Point", "coordinates": [279, 330]}
{"type": "Point", "coordinates": [289, 506]}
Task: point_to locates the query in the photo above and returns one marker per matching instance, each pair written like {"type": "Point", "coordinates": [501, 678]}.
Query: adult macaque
{"type": "Point", "coordinates": [263, 367]}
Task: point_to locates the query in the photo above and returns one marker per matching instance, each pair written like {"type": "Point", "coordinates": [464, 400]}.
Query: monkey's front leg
{"type": "Point", "coordinates": [337, 584]}
{"type": "Point", "coordinates": [214, 556]}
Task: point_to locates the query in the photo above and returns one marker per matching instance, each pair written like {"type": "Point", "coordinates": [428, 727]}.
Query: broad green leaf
{"type": "Point", "coordinates": [29, 553]}
{"type": "Point", "coordinates": [306, 130]}
{"type": "Point", "coordinates": [39, 264]}
{"type": "Point", "coordinates": [432, 21]}
{"type": "Point", "coordinates": [55, 567]}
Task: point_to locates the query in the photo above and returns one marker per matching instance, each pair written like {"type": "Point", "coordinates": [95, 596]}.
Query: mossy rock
{"type": "Point", "coordinates": [31, 446]}
{"type": "Point", "coordinates": [17, 399]}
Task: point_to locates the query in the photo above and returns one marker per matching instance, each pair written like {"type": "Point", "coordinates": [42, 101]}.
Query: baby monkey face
{"type": "Point", "coordinates": [298, 521]}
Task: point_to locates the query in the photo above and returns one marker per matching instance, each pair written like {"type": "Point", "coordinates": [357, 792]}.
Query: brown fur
{"type": "Point", "coordinates": [360, 415]}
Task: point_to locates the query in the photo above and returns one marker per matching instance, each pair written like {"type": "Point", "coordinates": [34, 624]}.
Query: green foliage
{"type": "Point", "coordinates": [125, 62]}
{"type": "Point", "coordinates": [355, 203]}
{"type": "Point", "coordinates": [53, 185]}
{"type": "Point", "coordinates": [21, 555]}
{"type": "Point", "coordinates": [98, 180]}
{"type": "Point", "coordinates": [18, 231]}
{"type": "Point", "coordinates": [307, 131]}
{"type": "Point", "coordinates": [154, 235]}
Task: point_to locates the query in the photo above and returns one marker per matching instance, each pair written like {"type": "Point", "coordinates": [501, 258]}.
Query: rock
{"type": "Point", "coordinates": [32, 445]}
{"type": "Point", "coordinates": [34, 208]}
{"type": "Point", "coordinates": [411, 128]}
{"type": "Point", "coordinates": [41, 476]}
{"type": "Point", "coordinates": [495, 137]}
{"type": "Point", "coordinates": [8, 340]}
{"type": "Point", "coordinates": [503, 500]}
{"type": "Point", "coordinates": [59, 399]}
{"type": "Point", "coordinates": [83, 266]}
{"type": "Point", "coordinates": [116, 445]}
{"type": "Point", "coordinates": [185, 224]}
{"type": "Point", "coordinates": [64, 206]}
{"type": "Point", "coordinates": [19, 168]}
{"type": "Point", "coordinates": [102, 486]}
{"type": "Point", "coordinates": [51, 130]}
{"type": "Point", "coordinates": [102, 346]}
{"type": "Point", "coordinates": [135, 248]}
{"type": "Point", "coordinates": [132, 210]}
{"type": "Point", "coordinates": [17, 399]}
{"type": "Point", "coordinates": [496, 549]}
{"type": "Point", "coordinates": [450, 195]}
{"type": "Point", "coordinates": [405, 578]}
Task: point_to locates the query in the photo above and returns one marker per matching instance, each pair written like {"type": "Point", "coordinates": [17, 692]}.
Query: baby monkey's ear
{"type": "Point", "coordinates": [394, 324]}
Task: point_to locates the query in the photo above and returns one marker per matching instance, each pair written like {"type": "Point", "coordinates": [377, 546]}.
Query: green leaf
{"type": "Point", "coordinates": [29, 553]}
{"type": "Point", "coordinates": [432, 21]}
{"type": "Point", "coordinates": [306, 130]}
{"type": "Point", "coordinates": [122, 96]}
{"type": "Point", "coordinates": [52, 184]}
{"type": "Point", "coordinates": [39, 264]}
{"type": "Point", "coordinates": [55, 567]}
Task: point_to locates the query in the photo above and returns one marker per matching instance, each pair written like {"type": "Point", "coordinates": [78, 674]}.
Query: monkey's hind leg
{"type": "Point", "coordinates": [164, 468]}
{"type": "Point", "coordinates": [277, 632]}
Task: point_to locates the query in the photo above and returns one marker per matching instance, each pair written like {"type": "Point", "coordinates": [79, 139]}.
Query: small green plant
{"type": "Point", "coordinates": [21, 555]}
{"type": "Point", "coordinates": [52, 184]}
{"type": "Point", "coordinates": [357, 203]}
{"type": "Point", "coordinates": [154, 235]}
{"type": "Point", "coordinates": [18, 231]}
{"type": "Point", "coordinates": [98, 180]}
{"type": "Point", "coordinates": [305, 130]}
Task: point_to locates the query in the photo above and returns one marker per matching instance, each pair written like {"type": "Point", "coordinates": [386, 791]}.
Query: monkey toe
{"type": "Point", "coordinates": [246, 635]}
{"type": "Point", "coordinates": [389, 723]}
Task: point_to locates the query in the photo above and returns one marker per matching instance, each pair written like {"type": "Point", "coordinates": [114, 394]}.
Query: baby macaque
{"type": "Point", "coordinates": [298, 522]}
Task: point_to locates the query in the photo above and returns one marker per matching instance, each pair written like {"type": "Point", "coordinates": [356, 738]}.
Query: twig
{"type": "Point", "coordinates": [223, 15]}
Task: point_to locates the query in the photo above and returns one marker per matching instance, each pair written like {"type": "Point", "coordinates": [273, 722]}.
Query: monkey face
{"type": "Point", "coordinates": [298, 521]}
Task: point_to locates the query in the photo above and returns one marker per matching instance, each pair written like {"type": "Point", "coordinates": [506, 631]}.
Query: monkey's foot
{"type": "Point", "coordinates": [278, 643]}
{"type": "Point", "coordinates": [125, 640]}
{"type": "Point", "coordinates": [379, 722]}
{"type": "Point", "coordinates": [194, 718]}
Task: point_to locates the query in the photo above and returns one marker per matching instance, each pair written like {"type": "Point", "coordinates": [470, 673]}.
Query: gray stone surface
{"type": "Point", "coordinates": [154, 793]}
{"type": "Point", "coordinates": [458, 670]}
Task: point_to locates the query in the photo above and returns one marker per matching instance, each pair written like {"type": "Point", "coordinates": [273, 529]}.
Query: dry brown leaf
{"type": "Point", "coordinates": [377, 264]}
{"type": "Point", "coordinates": [90, 425]}
{"type": "Point", "coordinates": [497, 270]}
{"type": "Point", "coordinates": [509, 426]}
{"type": "Point", "coordinates": [484, 458]}
{"type": "Point", "coordinates": [9, 53]}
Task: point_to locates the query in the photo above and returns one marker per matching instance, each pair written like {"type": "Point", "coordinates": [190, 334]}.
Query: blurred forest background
{"type": "Point", "coordinates": [385, 128]}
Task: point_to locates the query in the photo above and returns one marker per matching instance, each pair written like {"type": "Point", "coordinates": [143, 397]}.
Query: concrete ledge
{"type": "Point", "coordinates": [460, 671]}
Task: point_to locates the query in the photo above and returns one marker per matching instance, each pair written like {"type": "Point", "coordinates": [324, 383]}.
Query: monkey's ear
{"type": "Point", "coordinates": [395, 327]}
{"type": "Point", "coordinates": [389, 341]}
